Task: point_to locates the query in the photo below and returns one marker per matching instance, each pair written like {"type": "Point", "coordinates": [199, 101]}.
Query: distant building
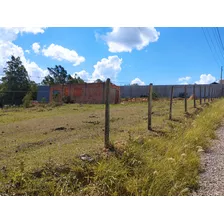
{"type": "Point", "coordinates": [221, 81]}
{"type": "Point", "coordinates": [43, 94]}
{"type": "Point", "coordinates": [93, 93]}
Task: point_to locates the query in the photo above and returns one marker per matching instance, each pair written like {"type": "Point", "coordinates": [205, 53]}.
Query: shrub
{"type": "Point", "coordinates": [155, 95]}
{"type": "Point", "coordinates": [182, 95]}
{"type": "Point", "coordinates": [27, 99]}
{"type": "Point", "coordinates": [66, 99]}
{"type": "Point", "coordinates": [43, 100]}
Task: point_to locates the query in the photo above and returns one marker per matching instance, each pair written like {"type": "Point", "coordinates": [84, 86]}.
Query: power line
{"type": "Point", "coordinates": [219, 45]}
{"type": "Point", "coordinates": [220, 37]}
{"type": "Point", "coordinates": [214, 46]}
{"type": "Point", "coordinates": [210, 46]}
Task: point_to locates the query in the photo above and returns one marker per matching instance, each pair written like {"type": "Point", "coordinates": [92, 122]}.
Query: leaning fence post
{"type": "Point", "coordinates": [107, 116]}
{"type": "Point", "coordinates": [204, 94]}
{"type": "Point", "coordinates": [150, 108]}
{"type": "Point", "coordinates": [200, 94]}
{"type": "Point", "coordinates": [185, 98]}
{"type": "Point", "coordinates": [171, 103]}
{"type": "Point", "coordinates": [194, 96]}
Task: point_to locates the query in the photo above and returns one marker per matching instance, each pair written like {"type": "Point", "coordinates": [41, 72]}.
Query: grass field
{"type": "Point", "coordinates": [40, 149]}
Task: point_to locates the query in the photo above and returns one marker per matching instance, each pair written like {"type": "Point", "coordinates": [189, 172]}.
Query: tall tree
{"type": "Point", "coordinates": [58, 75]}
{"type": "Point", "coordinates": [15, 82]}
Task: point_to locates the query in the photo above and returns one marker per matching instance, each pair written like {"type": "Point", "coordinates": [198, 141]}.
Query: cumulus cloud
{"type": "Point", "coordinates": [107, 68]}
{"type": "Point", "coordinates": [137, 81]}
{"type": "Point", "coordinates": [11, 33]}
{"type": "Point", "coordinates": [36, 47]}
{"type": "Point", "coordinates": [36, 73]}
{"type": "Point", "coordinates": [83, 75]}
{"type": "Point", "coordinates": [8, 48]}
{"type": "Point", "coordinates": [27, 51]}
{"type": "Point", "coordinates": [125, 39]}
{"type": "Point", "coordinates": [60, 53]}
{"type": "Point", "coordinates": [103, 69]}
{"type": "Point", "coordinates": [206, 79]}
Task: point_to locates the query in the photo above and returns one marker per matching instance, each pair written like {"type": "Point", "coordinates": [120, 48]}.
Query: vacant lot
{"type": "Point", "coordinates": [37, 134]}
{"type": "Point", "coordinates": [34, 137]}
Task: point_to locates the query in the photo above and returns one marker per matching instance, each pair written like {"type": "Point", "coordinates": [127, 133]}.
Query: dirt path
{"type": "Point", "coordinates": [212, 179]}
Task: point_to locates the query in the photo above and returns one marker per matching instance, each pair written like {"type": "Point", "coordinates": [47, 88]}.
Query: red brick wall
{"type": "Point", "coordinates": [93, 93]}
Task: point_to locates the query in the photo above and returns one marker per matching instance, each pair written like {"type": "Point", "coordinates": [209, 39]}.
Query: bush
{"type": "Point", "coordinates": [155, 95]}
{"type": "Point", "coordinates": [182, 95]}
{"type": "Point", "coordinates": [66, 99]}
{"type": "Point", "coordinates": [43, 100]}
{"type": "Point", "coordinates": [27, 99]}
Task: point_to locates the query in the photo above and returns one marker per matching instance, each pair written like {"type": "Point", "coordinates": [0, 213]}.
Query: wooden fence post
{"type": "Point", "coordinates": [200, 94]}
{"type": "Point", "coordinates": [212, 95]}
{"type": "Point", "coordinates": [194, 96]}
{"type": "Point", "coordinates": [209, 93]}
{"type": "Point", "coordinates": [150, 108]}
{"type": "Point", "coordinates": [185, 98]}
{"type": "Point", "coordinates": [107, 116]}
{"type": "Point", "coordinates": [171, 103]}
{"type": "Point", "coordinates": [204, 94]}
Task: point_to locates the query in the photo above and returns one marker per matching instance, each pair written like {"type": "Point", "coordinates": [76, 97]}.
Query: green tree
{"type": "Point", "coordinates": [15, 82]}
{"type": "Point", "coordinates": [33, 90]}
{"type": "Point", "coordinates": [58, 75]}
{"type": "Point", "coordinates": [75, 80]}
{"type": "Point", "coordinates": [98, 81]}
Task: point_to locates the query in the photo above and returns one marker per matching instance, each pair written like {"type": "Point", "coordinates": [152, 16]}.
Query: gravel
{"type": "Point", "coordinates": [211, 180]}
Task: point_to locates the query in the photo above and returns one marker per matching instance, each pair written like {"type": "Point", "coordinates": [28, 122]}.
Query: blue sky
{"type": "Point", "coordinates": [126, 55]}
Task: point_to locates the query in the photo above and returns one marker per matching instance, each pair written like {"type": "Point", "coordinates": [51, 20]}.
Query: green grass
{"type": "Point", "coordinates": [36, 159]}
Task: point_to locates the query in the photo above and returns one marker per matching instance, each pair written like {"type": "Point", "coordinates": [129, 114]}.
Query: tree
{"type": "Point", "coordinates": [15, 82]}
{"type": "Point", "coordinates": [98, 81]}
{"type": "Point", "coordinates": [58, 75]}
{"type": "Point", "coordinates": [75, 80]}
{"type": "Point", "coordinates": [33, 90]}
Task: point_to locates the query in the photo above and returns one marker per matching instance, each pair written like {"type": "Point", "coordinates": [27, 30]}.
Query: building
{"type": "Point", "coordinates": [92, 93]}
{"type": "Point", "coordinates": [43, 94]}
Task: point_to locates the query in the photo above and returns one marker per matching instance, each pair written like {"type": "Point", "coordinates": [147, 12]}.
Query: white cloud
{"type": "Point", "coordinates": [11, 33]}
{"type": "Point", "coordinates": [187, 78]}
{"type": "Point", "coordinates": [107, 68]}
{"type": "Point", "coordinates": [35, 72]}
{"type": "Point", "coordinates": [184, 80]}
{"type": "Point", "coordinates": [125, 39]}
{"type": "Point", "coordinates": [7, 49]}
{"type": "Point", "coordinates": [60, 53]}
{"type": "Point", "coordinates": [83, 75]}
{"type": "Point", "coordinates": [103, 69]}
{"type": "Point", "coordinates": [137, 81]}
{"type": "Point", "coordinates": [36, 47]}
{"type": "Point", "coordinates": [206, 79]}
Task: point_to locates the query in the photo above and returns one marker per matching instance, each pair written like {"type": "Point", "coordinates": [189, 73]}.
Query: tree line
{"type": "Point", "coordinates": [16, 88]}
